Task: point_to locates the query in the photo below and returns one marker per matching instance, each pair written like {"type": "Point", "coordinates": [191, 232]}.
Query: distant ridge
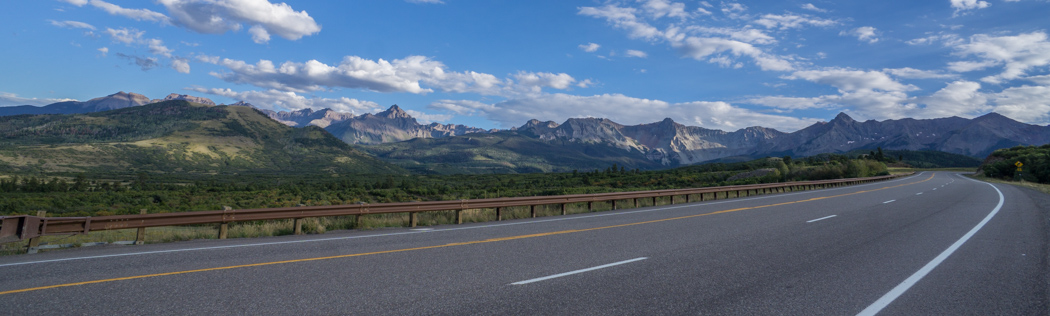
{"type": "Point", "coordinates": [114, 101]}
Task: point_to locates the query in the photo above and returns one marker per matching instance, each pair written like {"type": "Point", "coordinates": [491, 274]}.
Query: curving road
{"type": "Point", "coordinates": [929, 244]}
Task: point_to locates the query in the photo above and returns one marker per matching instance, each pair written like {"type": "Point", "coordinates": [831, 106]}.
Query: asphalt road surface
{"type": "Point", "coordinates": [930, 244]}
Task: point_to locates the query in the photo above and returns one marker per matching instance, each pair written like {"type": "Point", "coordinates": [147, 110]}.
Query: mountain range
{"type": "Point", "coordinates": [396, 136]}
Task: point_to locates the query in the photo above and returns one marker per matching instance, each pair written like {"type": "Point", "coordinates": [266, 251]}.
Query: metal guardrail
{"type": "Point", "coordinates": [16, 228]}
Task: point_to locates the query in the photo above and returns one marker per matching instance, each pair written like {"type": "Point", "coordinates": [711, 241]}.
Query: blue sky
{"type": "Point", "coordinates": [496, 64]}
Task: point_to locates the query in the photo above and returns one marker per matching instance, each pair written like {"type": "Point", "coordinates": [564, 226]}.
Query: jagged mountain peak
{"type": "Point", "coordinates": [242, 103]}
{"type": "Point", "coordinates": [843, 117]}
{"type": "Point", "coordinates": [394, 112]}
{"type": "Point", "coordinates": [186, 97]}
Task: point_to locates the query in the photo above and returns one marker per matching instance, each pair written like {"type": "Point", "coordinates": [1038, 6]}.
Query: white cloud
{"type": "Point", "coordinates": [181, 65]}
{"type": "Point", "coordinates": [290, 101]}
{"type": "Point", "coordinates": [427, 118]}
{"type": "Point", "coordinates": [849, 80]}
{"type": "Point", "coordinates": [1018, 54]}
{"type": "Point", "coordinates": [590, 47]}
{"type": "Point", "coordinates": [912, 73]}
{"type": "Point", "coordinates": [747, 35]}
{"type": "Point", "coordinates": [413, 74]}
{"type": "Point", "coordinates": [735, 10]}
{"type": "Point", "coordinates": [811, 7]}
{"type": "Point", "coordinates": [1025, 103]}
{"type": "Point", "coordinates": [791, 21]}
{"type": "Point", "coordinates": [544, 79]}
{"type": "Point", "coordinates": [125, 35]}
{"type": "Point", "coordinates": [104, 51]}
{"type": "Point", "coordinates": [636, 53]}
{"type": "Point", "coordinates": [156, 47]}
{"type": "Point", "coordinates": [700, 48]}
{"type": "Point", "coordinates": [72, 24]}
{"type": "Point", "coordinates": [220, 16]}
{"type": "Point", "coordinates": [11, 99]}
{"type": "Point", "coordinates": [621, 109]}
{"type": "Point", "coordinates": [661, 8]}
{"type": "Point", "coordinates": [78, 3]}
{"type": "Point", "coordinates": [959, 98]}
{"type": "Point", "coordinates": [863, 33]}
{"type": "Point", "coordinates": [960, 5]}
{"type": "Point", "coordinates": [134, 14]}
{"type": "Point", "coordinates": [259, 34]}
{"type": "Point", "coordinates": [947, 39]}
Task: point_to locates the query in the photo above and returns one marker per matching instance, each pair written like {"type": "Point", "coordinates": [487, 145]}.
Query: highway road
{"type": "Point", "coordinates": [930, 244]}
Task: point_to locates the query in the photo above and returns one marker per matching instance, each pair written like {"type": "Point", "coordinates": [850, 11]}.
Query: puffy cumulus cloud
{"type": "Point", "coordinates": [103, 51]}
{"type": "Point", "coordinates": [282, 100]}
{"type": "Point", "coordinates": [220, 16]}
{"type": "Point", "coordinates": [72, 24]}
{"type": "Point", "coordinates": [181, 65]}
{"type": "Point", "coordinates": [11, 99]}
{"type": "Point", "coordinates": [156, 47]}
{"type": "Point", "coordinates": [636, 53]}
{"type": "Point", "coordinates": [78, 3]}
{"type": "Point", "coordinates": [621, 109]}
{"type": "Point", "coordinates": [590, 47]}
{"type": "Point", "coordinates": [791, 21]}
{"type": "Point", "coordinates": [960, 98]}
{"type": "Point", "coordinates": [864, 33]}
{"type": "Point", "coordinates": [850, 80]}
{"type": "Point", "coordinates": [413, 74]}
{"type": "Point", "coordinates": [963, 5]}
{"type": "Point", "coordinates": [623, 18]}
{"type": "Point", "coordinates": [134, 14]}
{"type": "Point", "coordinates": [1025, 103]}
{"type": "Point", "coordinates": [912, 73]}
{"type": "Point", "coordinates": [734, 10]}
{"type": "Point", "coordinates": [1017, 54]}
{"type": "Point", "coordinates": [399, 75]}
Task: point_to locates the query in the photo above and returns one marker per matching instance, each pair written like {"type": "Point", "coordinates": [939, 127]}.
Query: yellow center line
{"type": "Point", "coordinates": [450, 244]}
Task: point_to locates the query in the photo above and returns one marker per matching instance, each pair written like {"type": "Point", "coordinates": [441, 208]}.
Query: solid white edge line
{"type": "Point", "coordinates": [578, 271]}
{"type": "Point", "coordinates": [712, 202]}
{"type": "Point", "coordinates": [892, 295]}
{"type": "Point", "coordinates": [890, 201]}
{"type": "Point", "coordinates": [822, 218]}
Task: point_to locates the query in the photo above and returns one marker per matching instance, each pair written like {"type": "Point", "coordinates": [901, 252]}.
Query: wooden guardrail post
{"type": "Point", "coordinates": [499, 214]}
{"type": "Point", "coordinates": [614, 205]}
{"type": "Point", "coordinates": [297, 225]}
{"type": "Point", "coordinates": [413, 219]}
{"type": "Point", "coordinates": [563, 208]}
{"type": "Point", "coordinates": [140, 236]}
{"type": "Point", "coordinates": [224, 230]}
{"type": "Point", "coordinates": [532, 211]}
{"type": "Point", "coordinates": [590, 206]}
{"type": "Point", "coordinates": [35, 241]}
{"type": "Point", "coordinates": [459, 216]}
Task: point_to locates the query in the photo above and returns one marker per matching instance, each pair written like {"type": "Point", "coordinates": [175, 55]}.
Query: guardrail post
{"type": "Point", "coordinates": [298, 226]}
{"type": "Point", "coordinates": [459, 216]}
{"type": "Point", "coordinates": [563, 208]}
{"type": "Point", "coordinates": [499, 214]}
{"type": "Point", "coordinates": [140, 237]}
{"type": "Point", "coordinates": [590, 206]}
{"type": "Point", "coordinates": [35, 241]}
{"type": "Point", "coordinates": [654, 201]}
{"type": "Point", "coordinates": [224, 230]}
{"type": "Point", "coordinates": [532, 211]}
{"type": "Point", "coordinates": [614, 205]}
{"type": "Point", "coordinates": [412, 219]}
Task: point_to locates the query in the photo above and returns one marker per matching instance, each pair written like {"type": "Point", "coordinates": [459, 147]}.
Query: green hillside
{"type": "Point", "coordinates": [174, 137]}
{"type": "Point", "coordinates": [504, 152]}
{"type": "Point", "coordinates": [1035, 164]}
{"type": "Point", "coordinates": [925, 158]}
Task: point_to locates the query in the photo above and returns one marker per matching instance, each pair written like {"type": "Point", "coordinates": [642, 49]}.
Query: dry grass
{"type": "Point", "coordinates": [1045, 188]}
{"type": "Point", "coordinates": [321, 225]}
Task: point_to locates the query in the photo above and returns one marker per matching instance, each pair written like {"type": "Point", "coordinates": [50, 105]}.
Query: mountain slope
{"type": "Point", "coordinates": [175, 136]}
{"type": "Point", "coordinates": [114, 101]}
{"type": "Point", "coordinates": [392, 125]}
{"type": "Point", "coordinates": [505, 152]}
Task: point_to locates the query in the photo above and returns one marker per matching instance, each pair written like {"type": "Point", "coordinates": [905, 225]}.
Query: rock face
{"type": "Point", "coordinates": [114, 101]}
{"type": "Point", "coordinates": [176, 96]}
{"type": "Point", "coordinates": [392, 125]}
{"type": "Point", "coordinates": [672, 144]}
{"type": "Point", "coordinates": [305, 117]}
